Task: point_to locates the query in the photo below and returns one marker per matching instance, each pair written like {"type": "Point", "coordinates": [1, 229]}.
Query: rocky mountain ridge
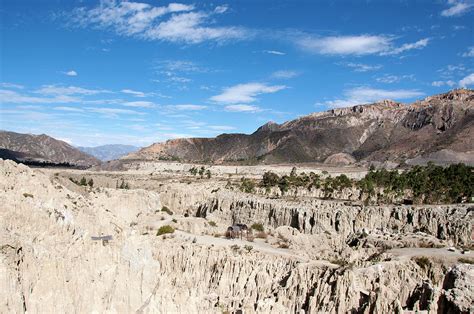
{"type": "Point", "coordinates": [384, 131]}
{"type": "Point", "coordinates": [42, 148]}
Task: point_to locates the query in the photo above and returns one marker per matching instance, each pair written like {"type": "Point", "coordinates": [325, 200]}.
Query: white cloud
{"type": "Point", "coordinates": [69, 109]}
{"type": "Point", "coordinates": [467, 81]}
{"type": "Point", "coordinates": [284, 74]}
{"type": "Point", "coordinates": [360, 67]}
{"type": "Point", "coordinates": [189, 107]}
{"type": "Point", "coordinates": [8, 96]}
{"type": "Point", "coordinates": [242, 108]}
{"type": "Point", "coordinates": [443, 83]}
{"type": "Point", "coordinates": [245, 93]}
{"type": "Point", "coordinates": [140, 104]}
{"type": "Point", "coordinates": [70, 73]}
{"type": "Point", "coordinates": [68, 90]}
{"type": "Point", "coordinates": [133, 92]}
{"type": "Point", "coordinates": [456, 8]}
{"type": "Point", "coordinates": [275, 52]}
{"type": "Point", "coordinates": [420, 44]}
{"type": "Point", "coordinates": [221, 9]}
{"type": "Point", "coordinates": [356, 45]}
{"type": "Point", "coordinates": [469, 52]}
{"type": "Point", "coordinates": [365, 95]}
{"type": "Point", "coordinates": [156, 23]}
{"type": "Point", "coordinates": [390, 79]}
{"type": "Point", "coordinates": [113, 112]}
{"type": "Point", "coordinates": [11, 85]}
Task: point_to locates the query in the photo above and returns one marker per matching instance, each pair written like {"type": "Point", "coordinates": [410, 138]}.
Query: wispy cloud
{"type": "Point", "coordinates": [175, 22]}
{"type": "Point", "coordinates": [68, 90]}
{"type": "Point", "coordinates": [12, 97]}
{"type": "Point", "coordinates": [361, 67]}
{"type": "Point", "coordinates": [133, 92]}
{"type": "Point", "coordinates": [188, 107]}
{"type": "Point", "coordinates": [469, 52]}
{"type": "Point", "coordinates": [140, 104]}
{"type": "Point", "coordinates": [242, 108]}
{"type": "Point", "coordinates": [284, 74]}
{"type": "Point", "coordinates": [274, 52]}
{"type": "Point", "coordinates": [467, 81]}
{"type": "Point", "coordinates": [11, 85]}
{"type": "Point", "coordinates": [390, 79]}
{"type": "Point", "coordinates": [457, 8]}
{"type": "Point", "coordinates": [70, 73]}
{"type": "Point", "coordinates": [420, 44]}
{"type": "Point", "coordinates": [365, 95]}
{"type": "Point", "coordinates": [245, 93]}
{"type": "Point", "coordinates": [449, 83]}
{"type": "Point", "coordinates": [221, 9]}
{"type": "Point", "coordinates": [356, 45]}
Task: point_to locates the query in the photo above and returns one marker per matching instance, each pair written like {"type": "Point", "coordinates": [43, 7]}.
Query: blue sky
{"type": "Point", "coordinates": [93, 73]}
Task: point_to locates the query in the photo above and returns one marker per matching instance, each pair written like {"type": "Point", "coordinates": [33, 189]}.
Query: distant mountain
{"type": "Point", "coordinates": [109, 152]}
{"type": "Point", "coordinates": [439, 128]}
{"type": "Point", "coordinates": [42, 148]}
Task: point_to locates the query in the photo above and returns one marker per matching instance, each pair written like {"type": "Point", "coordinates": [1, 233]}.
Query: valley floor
{"type": "Point", "coordinates": [310, 255]}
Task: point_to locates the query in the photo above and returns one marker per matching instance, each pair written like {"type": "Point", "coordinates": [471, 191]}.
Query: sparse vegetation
{"type": "Point", "coordinates": [465, 260]}
{"type": "Point", "coordinates": [166, 210]}
{"type": "Point", "coordinates": [248, 248]}
{"type": "Point", "coordinates": [123, 185]}
{"type": "Point", "coordinates": [174, 220]}
{"type": "Point", "coordinates": [212, 223]}
{"type": "Point", "coordinates": [423, 262]}
{"type": "Point", "coordinates": [258, 227]}
{"type": "Point", "coordinates": [27, 195]}
{"type": "Point", "coordinates": [247, 185]}
{"type": "Point", "coordinates": [164, 230]}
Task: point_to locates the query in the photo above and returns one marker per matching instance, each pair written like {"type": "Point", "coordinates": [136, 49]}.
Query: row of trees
{"type": "Point", "coordinates": [427, 184]}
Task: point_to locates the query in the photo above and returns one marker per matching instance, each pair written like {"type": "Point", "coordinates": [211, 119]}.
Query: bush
{"type": "Point", "coordinates": [164, 230]}
{"type": "Point", "coordinates": [247, 185]}
{"type": "Point", "coordinates": [174, 220]}
{"type": "Point", "coordinates": [465, 260]}
{"type": "Point", "coordinates": [28, 195]}
{"type": "Point", "coordinates": [248, 248]}
{"type": "Point", "coordinates": [166, 210]}
{"type": "Point", "coordinates": [423, 262]}
{"type": "Point", "coordinates": [212, 223]}
{"type": "Point", "coordinates": [258, 227]}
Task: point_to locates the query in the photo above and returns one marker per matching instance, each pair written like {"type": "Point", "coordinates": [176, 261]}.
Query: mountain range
{"type": "Point", "coordinates": [438, 128]}
{"type": "Point", "coordinates": [109, 152]}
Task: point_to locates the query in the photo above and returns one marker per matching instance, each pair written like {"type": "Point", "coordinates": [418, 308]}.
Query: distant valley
{"type": "Point", "coordinates": [109, 152]}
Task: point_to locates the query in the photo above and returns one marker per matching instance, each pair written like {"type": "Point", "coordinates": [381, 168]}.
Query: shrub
{"type": "Point", "coordinates": [465, 260]}
{"type": "Point", "coordinates": [90, 183]}
{"type": "Point", "coordinates": [166, 210]}
{"type": "Point", "coordinates": [174, 220]}
{"type": "Point", "coordinates": [83, 181]}
{"type": "Point", "coordinates": [247, 185]}
{"type": "Point", "coordinates": [28, 195]}
{"type": "Point", "coordinates": [164, 230]}
{"type": "Point", "coordinates": [423, 262]}
{"type": "Point", "coordinates": [258, 227]}
{"type": "Point", "coordinates": [212, 223]}
{"type": "Point", "coordinates": [248, 248]}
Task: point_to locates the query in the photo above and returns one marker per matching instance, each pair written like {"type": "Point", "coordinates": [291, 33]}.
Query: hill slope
{"type": "Point", "coordinates": [385, 131]}
{"type": "Point", "coordinates": [42, 148]}
{"type": "Point", "coordinates": [109, 152]}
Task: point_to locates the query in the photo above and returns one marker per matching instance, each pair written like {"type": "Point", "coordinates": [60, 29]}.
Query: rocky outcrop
{"type": "Point", "coordinates": [96, 250]}
{"type": "Point", "coordinates": [379, 132]}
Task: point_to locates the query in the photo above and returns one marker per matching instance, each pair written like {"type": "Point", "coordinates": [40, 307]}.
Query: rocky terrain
{"type": "Point", "coordinates": [42, 148]}
{"type": "Point", "coordinates": [438, 128]}
{"type": "Point", "coordinates": [65, 247]}
{"type": "Point", "coordinates": [109, 152]}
